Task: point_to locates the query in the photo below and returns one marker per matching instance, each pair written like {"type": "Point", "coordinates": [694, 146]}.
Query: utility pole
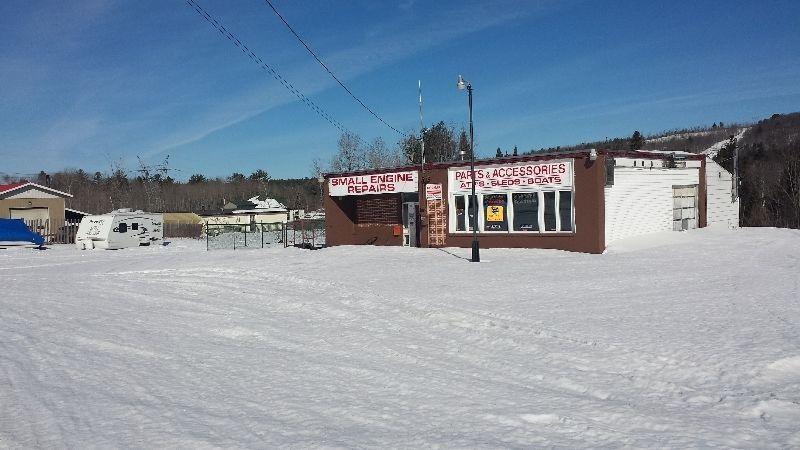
{"type": "Point", "coordinates": [735, 187]}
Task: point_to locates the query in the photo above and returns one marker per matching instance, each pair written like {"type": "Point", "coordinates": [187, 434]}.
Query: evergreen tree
{"type": "Point", "coordinates": [516, 152]}
{"type": "Point", "coordinates": [463, 144]}
{"type": "Point", "coordinates": [499, 153]}
{"type": "Point", "coordinates": [236, 177]}
{"type": "Point", "coordinates": [637, 141]}
{"type": "Point", "coordinates": [259, 175]}
{"type": "Point", "coordinates": [410, 147]}
{"type": "Point", "coordinates": [197, 178]}
{"type": "Point", "coordinates": [440, 143]}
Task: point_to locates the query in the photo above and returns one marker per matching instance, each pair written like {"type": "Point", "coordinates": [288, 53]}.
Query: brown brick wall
{"type": "Point", "coordinates": [381, 209]}
{"type": "Point", "coordinates": [341, 227]}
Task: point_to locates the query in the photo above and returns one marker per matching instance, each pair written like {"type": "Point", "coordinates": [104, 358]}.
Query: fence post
{"type": "Point", "coordinates": [207, 236]}
{"type": "Point", "coordinates": [262, 236]}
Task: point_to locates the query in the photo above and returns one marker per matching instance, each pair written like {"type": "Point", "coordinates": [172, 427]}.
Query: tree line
{"type": "Point", "coordinates": [103, 192]}
{"type": "Point", "coordinates": [769, 169]}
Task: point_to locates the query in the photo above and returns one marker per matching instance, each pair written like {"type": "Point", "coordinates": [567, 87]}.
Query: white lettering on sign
{"type": "Point", "coordinates": [512, 177]}
{"type": "Point", "coordinates": [382, 183]}
{"type": "Point", "coordinates": [433, 192]}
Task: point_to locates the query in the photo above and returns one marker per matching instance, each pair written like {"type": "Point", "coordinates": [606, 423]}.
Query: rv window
{"type": "Point", "coordinates": [123, 227]}
{"type": "Point", "coordinates": [134, 226]}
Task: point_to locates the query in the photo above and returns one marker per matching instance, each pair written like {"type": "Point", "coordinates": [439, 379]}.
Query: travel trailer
{"type": "Point", "coordinates": [118, 229]}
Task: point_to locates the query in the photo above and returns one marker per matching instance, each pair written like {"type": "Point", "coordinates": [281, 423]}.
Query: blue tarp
{"type": "Point", "coordinates": [15, 230]}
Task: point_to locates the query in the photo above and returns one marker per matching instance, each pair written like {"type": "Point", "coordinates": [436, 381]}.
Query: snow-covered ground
{"type": "Point", "coordinates": [693, 341]}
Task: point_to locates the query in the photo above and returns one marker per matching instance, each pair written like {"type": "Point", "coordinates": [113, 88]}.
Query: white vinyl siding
{"type": "Point", "coordinates": [720, 210]}
{"type": "Point", "coordinates": [641, 199]}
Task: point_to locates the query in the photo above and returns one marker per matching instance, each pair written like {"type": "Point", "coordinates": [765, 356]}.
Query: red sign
{"type": "Point", "coordinates": [433, 192]}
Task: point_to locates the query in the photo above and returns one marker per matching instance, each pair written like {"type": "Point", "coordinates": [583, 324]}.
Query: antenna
{"type": "Point", "coordinates": [152, 189]}
{"type": "Point", "coordinates": [421, 125]}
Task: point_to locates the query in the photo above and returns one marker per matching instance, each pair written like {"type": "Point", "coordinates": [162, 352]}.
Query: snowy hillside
{"type": "Point", "coordinates": [714, 149]}
{"type": "Point", "coordinates": [693, 342]}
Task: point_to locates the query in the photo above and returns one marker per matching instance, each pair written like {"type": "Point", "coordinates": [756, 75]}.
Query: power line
{"type": "Point", "coordinates": [328, 69]}
{"type": "Point", "coordinates": [268, 68]}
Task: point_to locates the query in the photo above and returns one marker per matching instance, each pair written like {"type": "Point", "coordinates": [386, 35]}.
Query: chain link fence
{"type": "Point", "coordinates": [235, 237]}
{"type": "Point", "coordinates": [305, 233]}
{"type": "Point", "coordinates": [302, 233]}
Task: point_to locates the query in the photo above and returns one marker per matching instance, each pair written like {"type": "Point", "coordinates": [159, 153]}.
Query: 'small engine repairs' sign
{"type": "Point", "coordinates": [382, 183]}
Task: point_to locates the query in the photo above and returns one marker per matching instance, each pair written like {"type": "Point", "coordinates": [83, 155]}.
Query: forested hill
{"type": "Point", "coordinates": [769, 171]}
{"type": "Point", "coordinates": [693, 140]}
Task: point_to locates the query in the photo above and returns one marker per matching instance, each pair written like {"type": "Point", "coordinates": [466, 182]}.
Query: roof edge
{"type": "Point", "coordinates": [38, 186]}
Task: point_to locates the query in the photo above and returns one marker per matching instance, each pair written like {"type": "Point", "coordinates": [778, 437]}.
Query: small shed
{"type": "Point", "coordinates": [42, 208]}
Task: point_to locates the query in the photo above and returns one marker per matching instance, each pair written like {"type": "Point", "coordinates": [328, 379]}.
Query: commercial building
{"type": "Point", "coordinates": [577, 201]}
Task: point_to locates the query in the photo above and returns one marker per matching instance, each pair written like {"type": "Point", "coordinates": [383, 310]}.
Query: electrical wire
{"type": "Point", "coordinates": [268, 68]}
{"type": "Point", "coordinates": [327, 69]}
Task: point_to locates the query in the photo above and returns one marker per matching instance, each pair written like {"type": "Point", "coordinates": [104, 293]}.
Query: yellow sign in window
{"type": "Point", "coordinates": [494, 213]}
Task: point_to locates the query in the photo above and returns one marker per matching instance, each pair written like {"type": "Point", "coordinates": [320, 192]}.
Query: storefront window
{"type": "Point", "coordinates": [565, 210]}
{"type": "Point", "coordinates": [461, 218]}
{"type": "Point", "coordinates": [526, 211]}
{"type": "Point", "coordinates": [522, 197]}
{"type": "Point", "coordinates": [519, 213]}
{"type": "Point", "coordinates": [495, 212]}
{"type": "Point", "coordinates": [549, 211]}
{"type": "Point", "coordinates": [460, 213]}
{"type": "Point", "coordinates": [473, 212]}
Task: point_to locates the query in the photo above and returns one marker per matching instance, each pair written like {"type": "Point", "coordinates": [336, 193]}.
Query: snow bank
{"type": "Point", "coordinates": [645, 346]}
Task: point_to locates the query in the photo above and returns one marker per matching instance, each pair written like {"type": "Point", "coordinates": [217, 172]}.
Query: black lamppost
{"type": "Point", "coordinates": [473, 200]}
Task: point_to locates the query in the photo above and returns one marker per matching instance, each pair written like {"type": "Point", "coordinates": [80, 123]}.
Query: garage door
{"type": "Point", "coordinates": [28, 214]}
{"type": "Point", "coordinates": [684, 207]}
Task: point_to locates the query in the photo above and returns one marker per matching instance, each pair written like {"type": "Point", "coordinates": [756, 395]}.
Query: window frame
{"type": "Point", "coordinates": [452, 225]}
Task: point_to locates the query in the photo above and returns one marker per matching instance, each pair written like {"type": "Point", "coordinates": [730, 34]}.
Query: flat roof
{"type": "Point", "coordinates": [542, 156]}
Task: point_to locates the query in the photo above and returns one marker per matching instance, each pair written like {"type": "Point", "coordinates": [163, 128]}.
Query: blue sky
{"type": "Point", "coordinates": [88, 84]}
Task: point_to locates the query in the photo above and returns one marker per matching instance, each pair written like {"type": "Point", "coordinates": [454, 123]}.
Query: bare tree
{"type": "Point", "coordinates": [350, 155]}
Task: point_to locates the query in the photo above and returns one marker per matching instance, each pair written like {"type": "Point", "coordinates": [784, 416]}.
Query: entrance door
{"type": "Point", "coordinates": [411, 224]}
{"type": "Point", "coordinates": [684, 207]}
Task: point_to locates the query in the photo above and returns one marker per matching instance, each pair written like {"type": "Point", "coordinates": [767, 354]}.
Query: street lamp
{"type": "Point", "coordinates": [321, 180]}
{"type": "Point", "coordinates": [473, 200]}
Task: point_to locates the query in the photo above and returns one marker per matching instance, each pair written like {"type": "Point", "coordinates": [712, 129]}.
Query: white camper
{"type": "Point", "coordinates": [122, 228]}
